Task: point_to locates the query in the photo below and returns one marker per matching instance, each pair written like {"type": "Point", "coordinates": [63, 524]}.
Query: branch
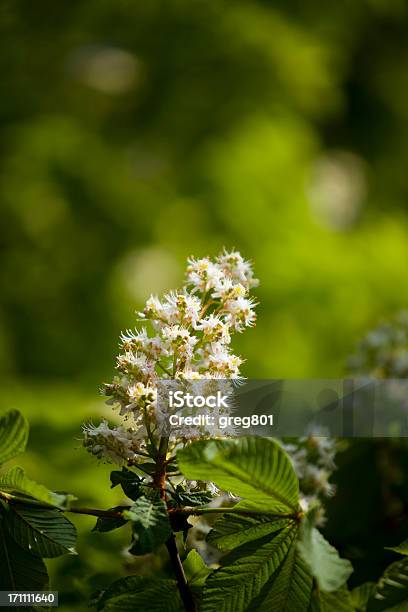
{"type": "Point", "coordinates": [186, 510]}
{"type": "Point", "coordinates": [10, 498]}
{"type": "Point", "coordinates": [182, 584]}
{"type": "Point", "coordinates": [159, 482]}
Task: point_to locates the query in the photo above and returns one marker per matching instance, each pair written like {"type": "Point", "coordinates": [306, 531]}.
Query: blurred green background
{"type": "Point", "coordinates": [133, 135]}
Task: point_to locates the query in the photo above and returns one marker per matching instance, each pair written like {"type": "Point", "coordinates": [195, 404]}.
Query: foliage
{"type": "Point", "coordinates": [271, 553]}
{"type": "Point", "coordinates": [273, 556]}
{"type": "Point", "coordinates": [32, 525]}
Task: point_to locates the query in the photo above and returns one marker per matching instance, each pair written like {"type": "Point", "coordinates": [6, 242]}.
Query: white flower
{"type": "Point", "coordinates": [237, 268]}
{"type": "Point", "coordinates": [228, 291]}
{"type": "Point", "coordinates": [152, 346]}
{"type": "Point", "coordinates": [240, 313]}
{"type": "Point", "coordinates": [154, 308]}
{"type": "Point", "coordinates": [189, 374]}
{"type": "Point", "coordinates": [136, 364]}
{"type": "Point", "coordinates": [203, 274]}
{"type": "Point", "coordinates": [116, 445]}
{"type": "Point", "coordinates": [182, 307]}
{"type": "Point", "coordinates": [141, 393]}
{"type": "Point", "coordinates": [222, 361]}
{"type": "Point", "coordinates": [214, 329]}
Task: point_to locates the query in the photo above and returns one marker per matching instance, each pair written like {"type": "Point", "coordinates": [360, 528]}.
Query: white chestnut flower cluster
{"type": "Point", "coordinates": [383, 352]}
{"type": "Point", "coordinates": [313, 458]}
{"type": "Point", "coordinates": [184, 336]}
{"type": "Point", "coordinates": [113, 444]}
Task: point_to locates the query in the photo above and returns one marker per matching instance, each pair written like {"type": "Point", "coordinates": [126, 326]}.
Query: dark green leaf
{"type": "Point", "coordinates": [360, 596]}
{"type": "Point", "coordinates": [245, 572]}
{"type": "Point", "coordinates": [150, 524]}
{"type": "Point", "coordinates": [129, 481]}
{"type": "Point", "coordinates": [392, 588]}
{"type": "Point", "coordinates": [402, 548]}
{"type": "Point", "coordinates": [13, 435]}
{"type": "Point", "coordinates": [256, 469]}
{"type": "Point", "coordinates": [330, 571]}
{"type": "Point", "coordinates": [289, 590]}
{"type": "Point", "coordinates": [147, 467]}
{"type": "Point", "coordinates": [337, 601]}
{"type": "Point", "coordinates": [19, 569]}
{"type": "Point", "coordinates": [195, 568]}
{"type": "Point", "coordinates": [139, 593]}
{"type": "Point", "coordinates": [47, 533]}
{"type": "Point", "coordinates": [232, 530]}
{"type": "Point", "coordinates": [191, 498]}
{"type": "Point", "coordinates": [15, 480]}
{"type": "Point", "coordinates": [108, 523]}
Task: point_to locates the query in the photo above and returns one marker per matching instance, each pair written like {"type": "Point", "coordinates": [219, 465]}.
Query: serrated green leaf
{"type": "Point", "coordinates": [191, 498]}
{"type": "Point", "coordinates": [47, 533]}
{"type": "Point", "coordinates": [13, 434]}
{"type": "Point", "coordinates": [150, 524]}
{"type": "Point", "coordinates": [337, 601]}
{"type": "Point", "coordinates": [140, 593]}
{"type": "Point", "coordinates": [288, 591]}
{"type": "Point", "coordinates": [392, 588]}
{"type": "Point", "coordinates": [195, 569]}
{"type": "Point", "coordinates": [232, 530]}
{"type": "Point", "coordinates": [360, 596]}
{"type": "Point", "coordinates": [108, 523]}
{"type": "Point", "coordinates": [402, 548]}
{"type": "Point", "coordinates": [254, 468]}
{"type": "Point", "coordinates": [19, 569]}
{"type": "Point", "coordinates": [330, 571]}
{"type": "Point", "coordinates": [15, 480]}
{"type": "Point", "coordinates": [245, 571]}
{"type": "Point", "coordinates": [129, 481]}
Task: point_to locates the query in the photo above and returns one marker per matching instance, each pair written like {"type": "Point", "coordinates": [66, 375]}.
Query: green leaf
{"type": "Point", "coordinates": [392, 588]}
{"type": "Point", "coordinates": [140, 593]}
{"type": "Point", "coordinates": [149, 467]}
{"type": "Point", "coordinates": [195, 569]}
{"type": "Point", "coordinates": [129, 481]}
{"type": "Point", "coordinates": [191, 498]}
{"type": "Point", "coordinates": [254, 468]}
{"type": "Point", "coordinates": [330, 571]}
{"type": "Point", "coordinates": [150, 524]}
{"type": "Point", "coordinates": [245, 572]}
{"type": "Point", "coordinates": [47, 533]}
{"type": "Point", "coordinates": [232, 530]}
{"type": "Point", "coordinates": [290, 590]}
{"type": "Point", "coordinates": [108, 523]}
{"type": "Point", "coordinates": [402, 548]}
{"type": "Point", "coordinates": [360, 596]}
{"type": "Point", "coordinates": [337, 601]}
{"type": "Point", "coordinates": [19, 569]}
{"type": "Point", "coordinates": [13, 435]}
{"type": "Point", "coordinates": [15, 480]}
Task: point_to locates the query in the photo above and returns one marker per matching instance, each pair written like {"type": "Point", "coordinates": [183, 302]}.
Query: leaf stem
{"type": "Point", "coordinates": [198, 511]}
{"type": "Point", "coordinates": [161, 366]}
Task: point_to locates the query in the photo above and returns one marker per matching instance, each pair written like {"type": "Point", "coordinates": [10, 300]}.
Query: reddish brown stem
{"type": "Point", "coordinates": [159, 481]}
